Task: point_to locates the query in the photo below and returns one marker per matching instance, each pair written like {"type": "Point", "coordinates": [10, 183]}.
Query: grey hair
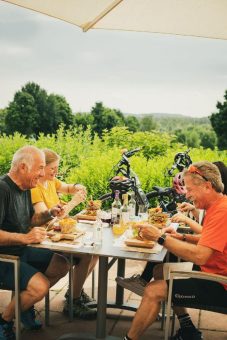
{"type": "Point", "coordinates": [25, 155]}
{"type": "Point", "coordinates": [210, 171]}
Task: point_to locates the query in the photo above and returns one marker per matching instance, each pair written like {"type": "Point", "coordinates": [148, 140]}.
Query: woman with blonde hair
{"type": "Point", "coordinates": [45, 196]}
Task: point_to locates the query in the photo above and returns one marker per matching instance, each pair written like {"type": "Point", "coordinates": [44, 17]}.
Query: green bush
{"type": "Point", "coordinates": [90, 160]}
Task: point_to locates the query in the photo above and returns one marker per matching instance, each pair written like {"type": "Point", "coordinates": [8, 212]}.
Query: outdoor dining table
{"type": "Point", "coordinates": [107, 249]}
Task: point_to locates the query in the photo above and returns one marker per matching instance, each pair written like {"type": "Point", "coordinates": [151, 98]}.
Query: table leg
{"type": "Point", "coordinates": [101, 307]}
{"type": "Point", "coordinates": [119, 289]}
{"type": "Point", "coordinates": [102, 298]}
{"type": "Point", "coordinates": [71, 288]}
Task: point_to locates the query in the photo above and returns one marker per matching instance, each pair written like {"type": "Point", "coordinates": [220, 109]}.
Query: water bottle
{"type": "Point", "coordinates": [98, 232]}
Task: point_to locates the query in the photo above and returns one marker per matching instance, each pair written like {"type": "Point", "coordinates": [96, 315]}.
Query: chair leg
{"type": "Point", "coordinates": [17, 298]}
{"type": "Point", "coordinates": [163, 307]}
{"type": "Point", "coordinates": [47, 309]}
{"type": "Point", "coordinates": [166, 336]}
{"type": "Point", "coordinates": [173, 324]}
{"type": "Point", "coordinates": [93, 284]}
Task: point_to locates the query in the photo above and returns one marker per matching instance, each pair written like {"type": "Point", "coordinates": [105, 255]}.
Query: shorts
{"type": "Point", "coordinates": [191, 292]}
{"type": "Point", "coordinates": [32, 261]}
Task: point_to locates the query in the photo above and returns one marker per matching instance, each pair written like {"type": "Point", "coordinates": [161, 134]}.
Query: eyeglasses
{"type": "Point", "coordinates": [193, 170]}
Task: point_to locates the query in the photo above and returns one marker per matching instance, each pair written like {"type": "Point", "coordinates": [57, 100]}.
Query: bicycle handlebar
{"type": "Point", "coordinates": [131, 152]}
{"type": "Point", "coordinates": [124, 160]}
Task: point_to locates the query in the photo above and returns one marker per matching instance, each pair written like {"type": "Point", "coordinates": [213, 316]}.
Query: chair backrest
{"type": "Point", "coordinates": [16, 262]}
{"type": "Point", "coordinates": [197, 275]}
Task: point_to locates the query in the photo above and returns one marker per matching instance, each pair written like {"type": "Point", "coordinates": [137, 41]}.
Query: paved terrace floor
{"type": "Point", "coordinates": [213, 325]}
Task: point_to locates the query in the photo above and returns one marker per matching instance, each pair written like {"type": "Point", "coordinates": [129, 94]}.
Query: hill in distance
{"type": "Point", "coordinates": [161, 116]}
{"type": "Point", "coordinates": [171, 122]}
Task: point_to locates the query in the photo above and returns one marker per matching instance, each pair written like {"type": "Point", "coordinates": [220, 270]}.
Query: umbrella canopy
{"type": "Point", "coordinates": [201, 18]}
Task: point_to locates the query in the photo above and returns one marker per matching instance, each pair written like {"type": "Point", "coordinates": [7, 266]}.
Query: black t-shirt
{"type": "Point", "coordinates": [16, 211]}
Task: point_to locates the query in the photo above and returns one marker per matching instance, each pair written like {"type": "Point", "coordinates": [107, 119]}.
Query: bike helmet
{"type": "Point", "coordinates": [122, 185]}
{"type": "Point", "coordinates": [178, 184]}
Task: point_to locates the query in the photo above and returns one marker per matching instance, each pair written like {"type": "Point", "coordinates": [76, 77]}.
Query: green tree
{"type": "Point", "coordinates": [33, 111]}
{"type": "Point", "coordinates": [208, 139]}
{"type": "Point", "coordinates": [192, 139]}
{"type": "Point", "coordinates": [132, 123]}
{"type": "Point", "coordinates": [147, 124]}
{"type": "Point", "coordinates": [219, 123]}
{"type": "Point", "coordinates": [83, 119]}
{"type": "Point", "coordinates": [105, 118]}
{"type": "Point", "coordinates": [195, 136]}
{"type": "Point", "coordinates": [181, 137]}
{"type": "Point", "coordinates": [2, 120]}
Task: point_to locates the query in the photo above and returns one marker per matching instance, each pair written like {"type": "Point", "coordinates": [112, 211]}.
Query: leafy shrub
{"type": "Point", "coordinates": [90, 160]}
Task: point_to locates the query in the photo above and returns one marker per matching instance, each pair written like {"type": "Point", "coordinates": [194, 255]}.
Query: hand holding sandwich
{"type": "Point", "coordinates": [149, 232]}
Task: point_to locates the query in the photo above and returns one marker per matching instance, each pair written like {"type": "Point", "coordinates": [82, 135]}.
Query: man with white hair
{"type": "Point", "coordinates": [39, 268]}
{"type": "Point", "coordinates": [204, 188]}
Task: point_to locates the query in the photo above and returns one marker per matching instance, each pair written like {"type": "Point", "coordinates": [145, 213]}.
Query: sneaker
{"type": "Point", "coordinates": [81, 310]}
{"type": "Point", "coordinates": [6, 331]}
{"type": "Point", "coordinates": [29, 321]}
{"type": "Point", "coordinates": [84, 296]}
{"type": "Point", "coordinates": [187, 334]}
{"type": "Point", "coordinates": [134, 283]}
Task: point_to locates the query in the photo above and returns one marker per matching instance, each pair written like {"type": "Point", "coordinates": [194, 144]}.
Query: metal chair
{"type": "Point", "coordinates": [197, 275]}
{"type": "Point", "coordinates": [16, 262]}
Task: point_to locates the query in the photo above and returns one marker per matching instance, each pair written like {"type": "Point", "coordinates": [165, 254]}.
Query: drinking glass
{"type": "Point", "coordinates": [142, 213]}
{"type": "Point", "coordinates": [118, 229]}
{"type": "Point", "coordinates": [88, 239]}
{"type": "Point", "coordinates": [105, 216]}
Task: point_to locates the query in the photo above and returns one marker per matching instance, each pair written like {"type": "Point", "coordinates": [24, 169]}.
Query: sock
{"type": "Point", "coordinates": [127, 337]}
{"type": "Point", "coordinates": [185, 321]}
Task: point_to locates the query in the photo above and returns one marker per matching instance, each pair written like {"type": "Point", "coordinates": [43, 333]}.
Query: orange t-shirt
{"type": "Point", "coordinates": [214, 236]}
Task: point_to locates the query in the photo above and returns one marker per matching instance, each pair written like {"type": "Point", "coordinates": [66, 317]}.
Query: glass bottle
{"type": "Point", "coordinates": [132, 206]}
{"type": "Point", "coordinates": [116, 208]}
{"type": "Point", "coordinates": [125, 209]}
{"type": "Point", "coordinates": [98, 232]}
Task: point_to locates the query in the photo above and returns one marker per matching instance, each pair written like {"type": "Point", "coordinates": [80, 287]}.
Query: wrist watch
{"type": "Point", "coordinates": [161, 239]}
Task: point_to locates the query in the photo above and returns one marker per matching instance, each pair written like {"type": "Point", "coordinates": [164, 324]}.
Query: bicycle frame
{"type": "Point", "coordinates": [123, 167]}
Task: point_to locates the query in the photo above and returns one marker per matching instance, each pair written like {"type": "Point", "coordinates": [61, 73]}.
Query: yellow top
{"type": "Point", "coordinates": [48, 194]}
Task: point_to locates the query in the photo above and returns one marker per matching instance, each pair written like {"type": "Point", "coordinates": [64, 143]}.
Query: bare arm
{"type": "Point", "coordinates": [40, 207]}
{"type": "Point", "coordinates": [190, 252]}
{"type": "Point", "coordinates": [187, 207]}
{"type": "Point", "coordinates": [194, 239]}
{"type": "Point", "coordinates": [36, 235]}
{"type": "Point", "coordinates": [71, 188]}
{"type": "Point", "coordinates": [41, 218]}
{"type": "Point", "coordinates": [195, 226]}
{"type": "Point", "coordinates": [44, 216]}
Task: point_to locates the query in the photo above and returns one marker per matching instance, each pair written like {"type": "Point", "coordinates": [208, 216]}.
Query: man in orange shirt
{"type": "Point", "coordinates": [204, 188]}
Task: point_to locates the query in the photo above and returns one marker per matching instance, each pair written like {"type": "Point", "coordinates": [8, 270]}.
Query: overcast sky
{"type": "Point", "coordinates": [133, 72]}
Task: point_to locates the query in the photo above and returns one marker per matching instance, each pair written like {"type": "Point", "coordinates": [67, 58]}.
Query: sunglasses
{"type": "Point", "coordinates": [193, 170]}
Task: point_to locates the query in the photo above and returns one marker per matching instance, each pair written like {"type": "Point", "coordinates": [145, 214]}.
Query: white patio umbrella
{"type": "Point", "coordinates": [201, 18]}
